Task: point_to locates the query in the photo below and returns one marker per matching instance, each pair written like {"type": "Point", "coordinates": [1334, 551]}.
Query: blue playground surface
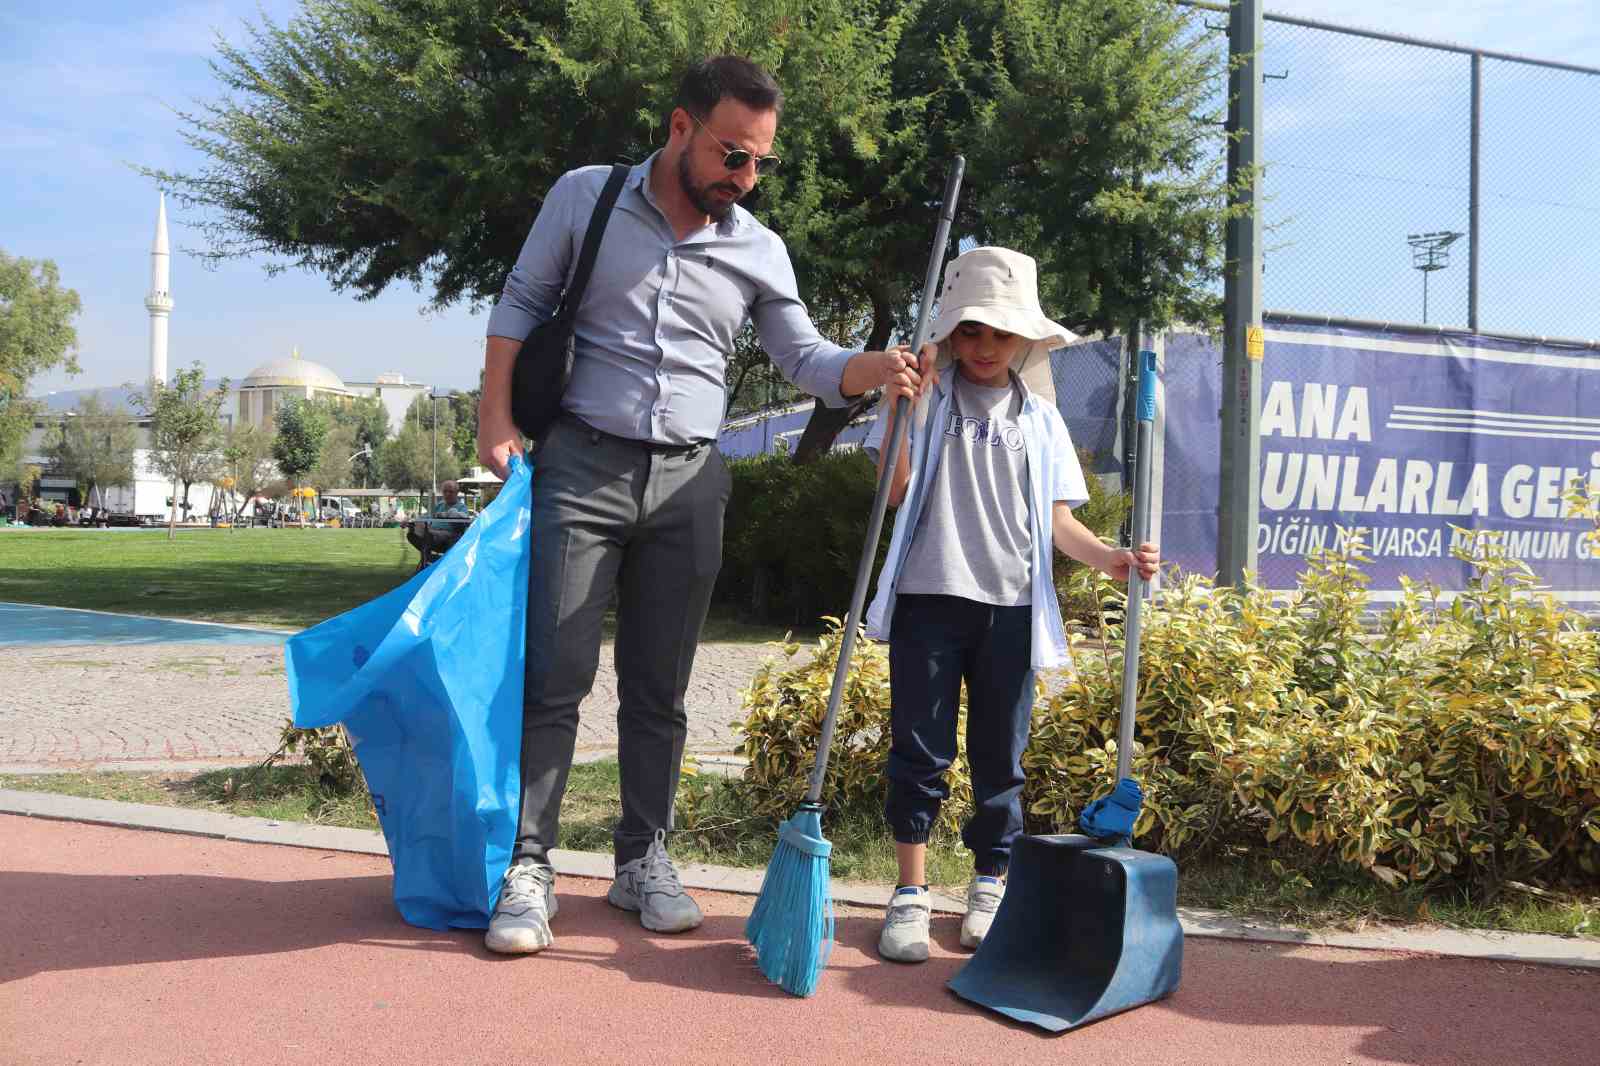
{"type": "Point", "coordinates": [26, 623]}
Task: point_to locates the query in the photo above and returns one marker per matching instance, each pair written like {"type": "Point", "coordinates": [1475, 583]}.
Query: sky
{"type": "Point", "coordinates": [93, 87]}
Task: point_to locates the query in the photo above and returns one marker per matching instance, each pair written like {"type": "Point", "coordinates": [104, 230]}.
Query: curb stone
{"type": "Point", "coordinates": [1527, 948]}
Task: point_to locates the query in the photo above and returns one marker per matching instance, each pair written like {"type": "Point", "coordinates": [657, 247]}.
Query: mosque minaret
{"type": "Point", "coordinates": [159, 300]}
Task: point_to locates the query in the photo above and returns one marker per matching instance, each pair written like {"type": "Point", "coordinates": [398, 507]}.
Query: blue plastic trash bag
{"type": "Point", "coordinates": [427, 680]}
{"type": "Point", "coordinates": [1111, 817]}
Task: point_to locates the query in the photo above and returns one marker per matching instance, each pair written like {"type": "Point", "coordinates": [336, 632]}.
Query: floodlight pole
{"type": "Point", "coordinates": [1430, 252]}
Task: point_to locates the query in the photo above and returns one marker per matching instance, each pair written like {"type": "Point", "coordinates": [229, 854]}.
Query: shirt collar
{"type": "Point", "coordinates": [640, 176]}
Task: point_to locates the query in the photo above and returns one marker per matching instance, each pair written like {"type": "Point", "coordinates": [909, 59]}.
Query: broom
{"type": "Point", "coordinates": [791, 925]}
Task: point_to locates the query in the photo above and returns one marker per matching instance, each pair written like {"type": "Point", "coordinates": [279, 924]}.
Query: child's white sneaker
{"type": "Point", "coordinates": [905, 926]}
{"type": "Point", "coordinates": [983, 899]}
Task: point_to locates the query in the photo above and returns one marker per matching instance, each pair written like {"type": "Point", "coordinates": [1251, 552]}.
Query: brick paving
{"type": "Point", "coordinates": [90, 704]}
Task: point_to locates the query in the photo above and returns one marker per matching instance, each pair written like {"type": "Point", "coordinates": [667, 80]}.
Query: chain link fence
{"type": "Point", "coordinates": [1369, 146]}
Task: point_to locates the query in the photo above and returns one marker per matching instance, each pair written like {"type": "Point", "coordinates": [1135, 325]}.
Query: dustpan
{"type": "Point", "coordinates": [1087, 928]}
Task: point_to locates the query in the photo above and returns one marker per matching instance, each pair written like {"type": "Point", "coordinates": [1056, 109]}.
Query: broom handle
{"type": "Point", "coordinates": [880, 501]}
{"type": "Point", "coordinates": [1146, 414]}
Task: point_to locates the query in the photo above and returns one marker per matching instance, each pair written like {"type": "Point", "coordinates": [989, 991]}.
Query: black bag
{"type": "Point", "coordinates": [543, 365]}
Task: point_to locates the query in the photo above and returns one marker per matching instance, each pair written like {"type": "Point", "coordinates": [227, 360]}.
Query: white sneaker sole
{"type": "Point", "coordinates": [519, 942]}
{"type": "Point", "coordinates": [911, 954]}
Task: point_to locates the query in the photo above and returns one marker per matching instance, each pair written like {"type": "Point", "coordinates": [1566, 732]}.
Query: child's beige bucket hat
{"type": "Point", "coordinates": [1000, 288]}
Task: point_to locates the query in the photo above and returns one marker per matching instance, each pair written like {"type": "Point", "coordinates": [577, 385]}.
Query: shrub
{"type": "Point", "coordinates": [1459, 742]}
{"type": "Point", "coordinates": [785, 706]}
{"type": "Point", "coordinates": [327, 750]}
{"type": "Point", "coordinates": [1104, 514]}
{"type": "Point", "coordinates": [792, 535]}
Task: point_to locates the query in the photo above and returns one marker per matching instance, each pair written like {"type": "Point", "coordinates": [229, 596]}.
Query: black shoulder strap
{"type": "Point", "coordinates": [591, 239]}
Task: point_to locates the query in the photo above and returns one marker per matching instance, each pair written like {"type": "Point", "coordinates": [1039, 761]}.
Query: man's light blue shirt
{"type": "Point", "coordinates": [659, 317]}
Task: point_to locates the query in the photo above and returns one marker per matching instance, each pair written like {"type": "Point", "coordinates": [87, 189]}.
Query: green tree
{"type": "Point", "coordinates": [297, 446]}
{"type": "Point", "coordinates": [185, 432]}
{"type": "Point", "coordinates": [247, 458]}
{"type": "Point", "coordinates": [1093, 139]}
{"type": "Point", "coordinates": [377, 141]}
{"type": "Point", "coordinates": [415, 459]}
{"type": "Point", "coordinates": [368, 421]}
{"type": "Point", "coordinates": [94, 446]}
{"type": "Point", "coordinates": [464, 436]}
{"type": "Point", "coordinates": [36, 335]}
{"type": "Point", "coordinates": [333, 470]}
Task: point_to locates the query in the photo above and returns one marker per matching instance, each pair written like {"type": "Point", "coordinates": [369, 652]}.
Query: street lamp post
{"type": "Point", "coordinates": [433, 494]}
{"type": "Point", "coordinates": [364, 451]}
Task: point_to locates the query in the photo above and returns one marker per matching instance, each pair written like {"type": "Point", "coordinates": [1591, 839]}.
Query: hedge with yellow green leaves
{"type": "Point", "coordinates": [1447, 741]}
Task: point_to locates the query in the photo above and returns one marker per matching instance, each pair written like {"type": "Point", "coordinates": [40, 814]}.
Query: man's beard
{"type": "Point", "coordinates": [699, 194]}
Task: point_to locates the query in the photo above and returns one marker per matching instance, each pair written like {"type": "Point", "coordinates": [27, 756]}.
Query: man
{"type": "Point", "coordinates": [452, 506]}
{"type": "Point", "coordinates": [630, 491]}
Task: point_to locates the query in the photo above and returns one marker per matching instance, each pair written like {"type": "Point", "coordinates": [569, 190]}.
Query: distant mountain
{"type": "Point", "coordinates": [117, 395]}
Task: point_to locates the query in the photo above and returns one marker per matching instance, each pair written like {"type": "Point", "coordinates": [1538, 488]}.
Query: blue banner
{"type": "Point", "coordinates": [779, 429]}
{"type": "Point", "coordinates": [1400, 437]}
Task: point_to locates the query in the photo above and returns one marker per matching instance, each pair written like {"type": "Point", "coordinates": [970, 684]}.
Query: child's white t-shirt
{"type": "Point", "coordinates": [974, 539]}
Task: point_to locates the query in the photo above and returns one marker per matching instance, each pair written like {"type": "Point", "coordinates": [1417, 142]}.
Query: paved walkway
{"type": "Point", "coordinates": [126, 947]}
{"type": "Point", "coordinates": [113, 690]}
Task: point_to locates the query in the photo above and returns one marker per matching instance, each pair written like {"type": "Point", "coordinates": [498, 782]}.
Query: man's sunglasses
{"type": "Point", "coordinates": [738, 158]}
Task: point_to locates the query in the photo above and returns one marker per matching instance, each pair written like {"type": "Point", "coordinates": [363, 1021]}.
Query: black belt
{"type": "Point", "coordinates": [653, 447]}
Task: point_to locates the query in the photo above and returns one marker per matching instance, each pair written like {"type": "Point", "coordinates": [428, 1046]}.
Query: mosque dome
{"type": "Point", "coordinates": [293, 373]}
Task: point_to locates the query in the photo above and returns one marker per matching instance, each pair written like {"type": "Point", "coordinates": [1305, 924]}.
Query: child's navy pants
{"type": "Point", "coordinates": [935, 643]}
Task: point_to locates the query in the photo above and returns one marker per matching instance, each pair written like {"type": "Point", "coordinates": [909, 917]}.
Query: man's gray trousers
{"type": "Point", "coordinates": [644, 521]}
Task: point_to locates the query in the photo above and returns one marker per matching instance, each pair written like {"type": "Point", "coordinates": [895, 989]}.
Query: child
{"type": "Point", "coordinates": [988, 483]}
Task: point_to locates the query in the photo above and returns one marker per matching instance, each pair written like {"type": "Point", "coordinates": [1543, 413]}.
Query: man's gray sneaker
{"type": "Point", "coordinates": [983, 899]}
{"type": "Point", "coordinates": [650, 886]}
{"type": "Point", "coordinates": [905, 926]}
{"type": "Point", "coordinates": [521, 921]}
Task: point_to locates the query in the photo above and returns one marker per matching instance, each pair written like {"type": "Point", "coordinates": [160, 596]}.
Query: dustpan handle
{"type": "Point", "coordinates": [1146, 415]}
{"type": "Point", "coordinates": [880, 500]}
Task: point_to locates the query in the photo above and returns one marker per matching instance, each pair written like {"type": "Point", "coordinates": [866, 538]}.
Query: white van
{"type": "Point", "coordinates": [340, 507]}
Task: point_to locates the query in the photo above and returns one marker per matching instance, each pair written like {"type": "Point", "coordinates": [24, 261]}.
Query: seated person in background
{"type": "Point", "coordinates": [432, 539]}
{"type": "Point", "coordinates": [452, 506]}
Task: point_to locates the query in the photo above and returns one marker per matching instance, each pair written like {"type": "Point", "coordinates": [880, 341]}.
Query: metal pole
{"type": "Point", "coordinates": [1132, 457]}
{"type": "Point", "coordinates": [880, 500]}
{"type": "Point", "coordinates": [1144, 417]}
{"type": "Point", "coordinates": [433, 479]}
{"type": "Point", "coordinates": [1474, 197]}
{"type": "Point", "coordinates": [1243, 341]}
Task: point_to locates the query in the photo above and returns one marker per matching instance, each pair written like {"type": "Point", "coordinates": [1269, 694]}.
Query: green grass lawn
{"type": "Point", "coordinates": [269, 577]}
{"type": "Point", "coordinates": [1242, 884]}
{"type": "Point", "coordinates": [272, 577]}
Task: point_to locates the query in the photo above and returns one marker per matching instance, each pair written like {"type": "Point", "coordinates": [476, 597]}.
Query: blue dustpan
{"type": "Point", "coordinates": [1084, 931]}
{"type": "Point", "coordinates": [1088, 927]}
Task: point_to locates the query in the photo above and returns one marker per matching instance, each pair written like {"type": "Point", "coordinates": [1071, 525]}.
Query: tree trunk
{"type": "Point", "coordinates": [172, 518]}
{"type": "Point", "coordinates": [826, 423]}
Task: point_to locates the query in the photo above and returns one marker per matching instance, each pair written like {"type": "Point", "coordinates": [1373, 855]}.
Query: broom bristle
{"type": "Point", "coordinates": [791, 925]}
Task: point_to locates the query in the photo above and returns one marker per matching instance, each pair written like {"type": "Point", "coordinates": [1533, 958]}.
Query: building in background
{"type": "Point", "coordinates": [394, 392]}
{"type": "Point", "coordinates": [266, 387]}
